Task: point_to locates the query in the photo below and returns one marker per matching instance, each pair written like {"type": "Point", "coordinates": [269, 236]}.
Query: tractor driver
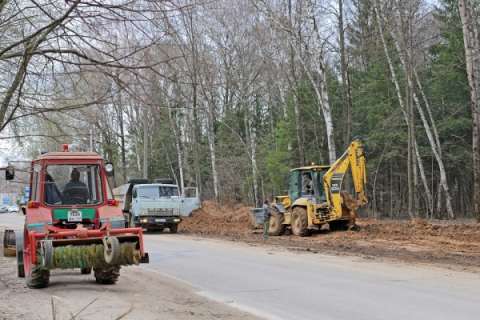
{"type": "Point", "coordinates": [75, 192]}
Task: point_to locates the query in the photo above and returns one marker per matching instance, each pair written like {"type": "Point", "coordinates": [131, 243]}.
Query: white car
{"type": "Point", "coordinates": [3, 209]}
{"type": "Point", "coordinates": [12, 209]}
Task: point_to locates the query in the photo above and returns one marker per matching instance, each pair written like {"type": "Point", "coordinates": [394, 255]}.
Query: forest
{"type": "Point", "coordinates": [229, 95]}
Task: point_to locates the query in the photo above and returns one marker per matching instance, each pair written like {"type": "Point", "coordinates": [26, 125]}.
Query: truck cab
{"type": "Point", "coordinates": [156, 206]}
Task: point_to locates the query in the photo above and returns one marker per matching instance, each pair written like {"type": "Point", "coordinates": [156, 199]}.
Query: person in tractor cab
{"type": "Point", "coordinates": [52, 194]}
{"type": "Point", "coordinates": [75, 191]}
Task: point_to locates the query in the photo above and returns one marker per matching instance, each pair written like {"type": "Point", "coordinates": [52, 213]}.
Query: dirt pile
{"type": "Point", "coordinates": [452, 243]}
{"type": "Point", "coordinates": [221, 220]}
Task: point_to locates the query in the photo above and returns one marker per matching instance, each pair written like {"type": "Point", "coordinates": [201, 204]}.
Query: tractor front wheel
{"type": "Point", "coordinates": [19, 247]}
{"type": "Point", "coordinates": [276, 228]}
{"type": "Point", "coordinates": [38, 277]}
{"type": "Point", "coordinates": [107, 275]}
{"type": "Point", "coordinates": [300, 222]}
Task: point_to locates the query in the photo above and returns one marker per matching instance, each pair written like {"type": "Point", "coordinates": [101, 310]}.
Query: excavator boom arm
{"type": "Point", "coordinates": [353, 159]}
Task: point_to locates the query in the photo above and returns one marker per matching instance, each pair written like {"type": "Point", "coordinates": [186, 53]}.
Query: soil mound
{"type": "Point", "coordinates": [219, 219]}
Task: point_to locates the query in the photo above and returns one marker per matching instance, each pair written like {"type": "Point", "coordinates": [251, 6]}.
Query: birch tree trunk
{"type": "Point", "coordinates": [252, 135]}
{"type": "Point", "coordinates": [404, 58]}
{"type": "Point", "coordinates": [211, 147]}
{"type": "Point", "coordinates": [393, 74]}
{"type": "Point", "coordinates": [347, 94]}
{"type": "Point", "coordinates": [324, 98]}
{"type": "Point", "coordinates": [321, 94]}
{"type": "Point", "coordinates": [178, 144]}
{"type": "Point", "coordinates": [471, 43]}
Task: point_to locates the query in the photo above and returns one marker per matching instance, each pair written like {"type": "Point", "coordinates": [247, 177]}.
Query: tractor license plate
{"type": "Point", "coordinates": [74, 216]}
{"type": "Point", "coordinates": [160, 220]}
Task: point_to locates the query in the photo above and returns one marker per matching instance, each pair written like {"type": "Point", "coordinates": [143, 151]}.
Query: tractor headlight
{"type": "Point", "coordinates": [143, 220]}
{"type": "Point", "coordinates": [176, 220]}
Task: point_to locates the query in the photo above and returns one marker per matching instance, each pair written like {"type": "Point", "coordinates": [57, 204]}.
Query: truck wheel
{"type": "Point", "coordinates": [86, 270]}
{"type": "Point", "coordinates": [300, 222]}
{"type": "Point", "coordinates": [173, 228]}
{"type": "Point", "coordinates": [277, 228]}
{"type": "Point", "coordinates": [107, 275]}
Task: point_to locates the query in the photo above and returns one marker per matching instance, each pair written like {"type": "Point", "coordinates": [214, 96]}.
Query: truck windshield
{"type": "Point", "coordinates": [73, 184]}
{"type": "Point", "coordinates": [156, 192]}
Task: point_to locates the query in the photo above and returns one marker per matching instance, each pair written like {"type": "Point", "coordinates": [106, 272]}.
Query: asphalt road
{"type": "Point", "coordinates": [285, 285]}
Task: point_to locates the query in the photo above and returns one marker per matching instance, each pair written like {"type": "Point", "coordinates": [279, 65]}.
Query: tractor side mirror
{"type": "Point", "coordinates": [109, 169]}
{"type": "Point", "coordinates": [9, 173]}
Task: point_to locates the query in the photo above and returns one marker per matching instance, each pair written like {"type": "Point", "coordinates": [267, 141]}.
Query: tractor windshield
{"type": "Point", "coordinates": [73, 184]}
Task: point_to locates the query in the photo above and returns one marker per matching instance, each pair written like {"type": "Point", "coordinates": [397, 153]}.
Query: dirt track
{"type": "Point", "coordinates": [139, 294]}
{"type": "Point", "coordinates": [451, 244]}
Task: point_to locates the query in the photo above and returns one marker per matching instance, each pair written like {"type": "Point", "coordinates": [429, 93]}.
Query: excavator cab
{"type": "Point", "coordinates": [307, 182]}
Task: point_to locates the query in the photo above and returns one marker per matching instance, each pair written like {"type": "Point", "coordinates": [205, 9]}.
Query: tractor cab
{"type": "Point", "coordinates": [72, 186]}
{"type": "Point", "coordinates": [307, 182]}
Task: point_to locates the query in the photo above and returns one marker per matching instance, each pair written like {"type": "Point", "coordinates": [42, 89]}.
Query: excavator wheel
{"type": "Point", "coordinates": [277, 228]}
{"type": "Point", "coordinates": [300, 222]}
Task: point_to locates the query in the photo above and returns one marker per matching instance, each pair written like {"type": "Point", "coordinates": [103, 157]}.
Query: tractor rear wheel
{"type": "Point", "coordinates": [300, 222]}
{"type": "Point", "coordinates": [108, 275]}
{"type": "Point", "coordinates": [276, 228]}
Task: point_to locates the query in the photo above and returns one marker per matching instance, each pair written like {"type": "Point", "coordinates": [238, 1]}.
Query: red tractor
{"type": "Point", "coordinates": [72, 221]}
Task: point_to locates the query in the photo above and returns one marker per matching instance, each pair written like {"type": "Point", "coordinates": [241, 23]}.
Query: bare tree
{"type": "Point", "coordinates": [471, 40]}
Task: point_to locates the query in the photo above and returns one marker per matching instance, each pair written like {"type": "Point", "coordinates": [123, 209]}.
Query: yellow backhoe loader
{"type": "Point", "coordinates": [317, 195]}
